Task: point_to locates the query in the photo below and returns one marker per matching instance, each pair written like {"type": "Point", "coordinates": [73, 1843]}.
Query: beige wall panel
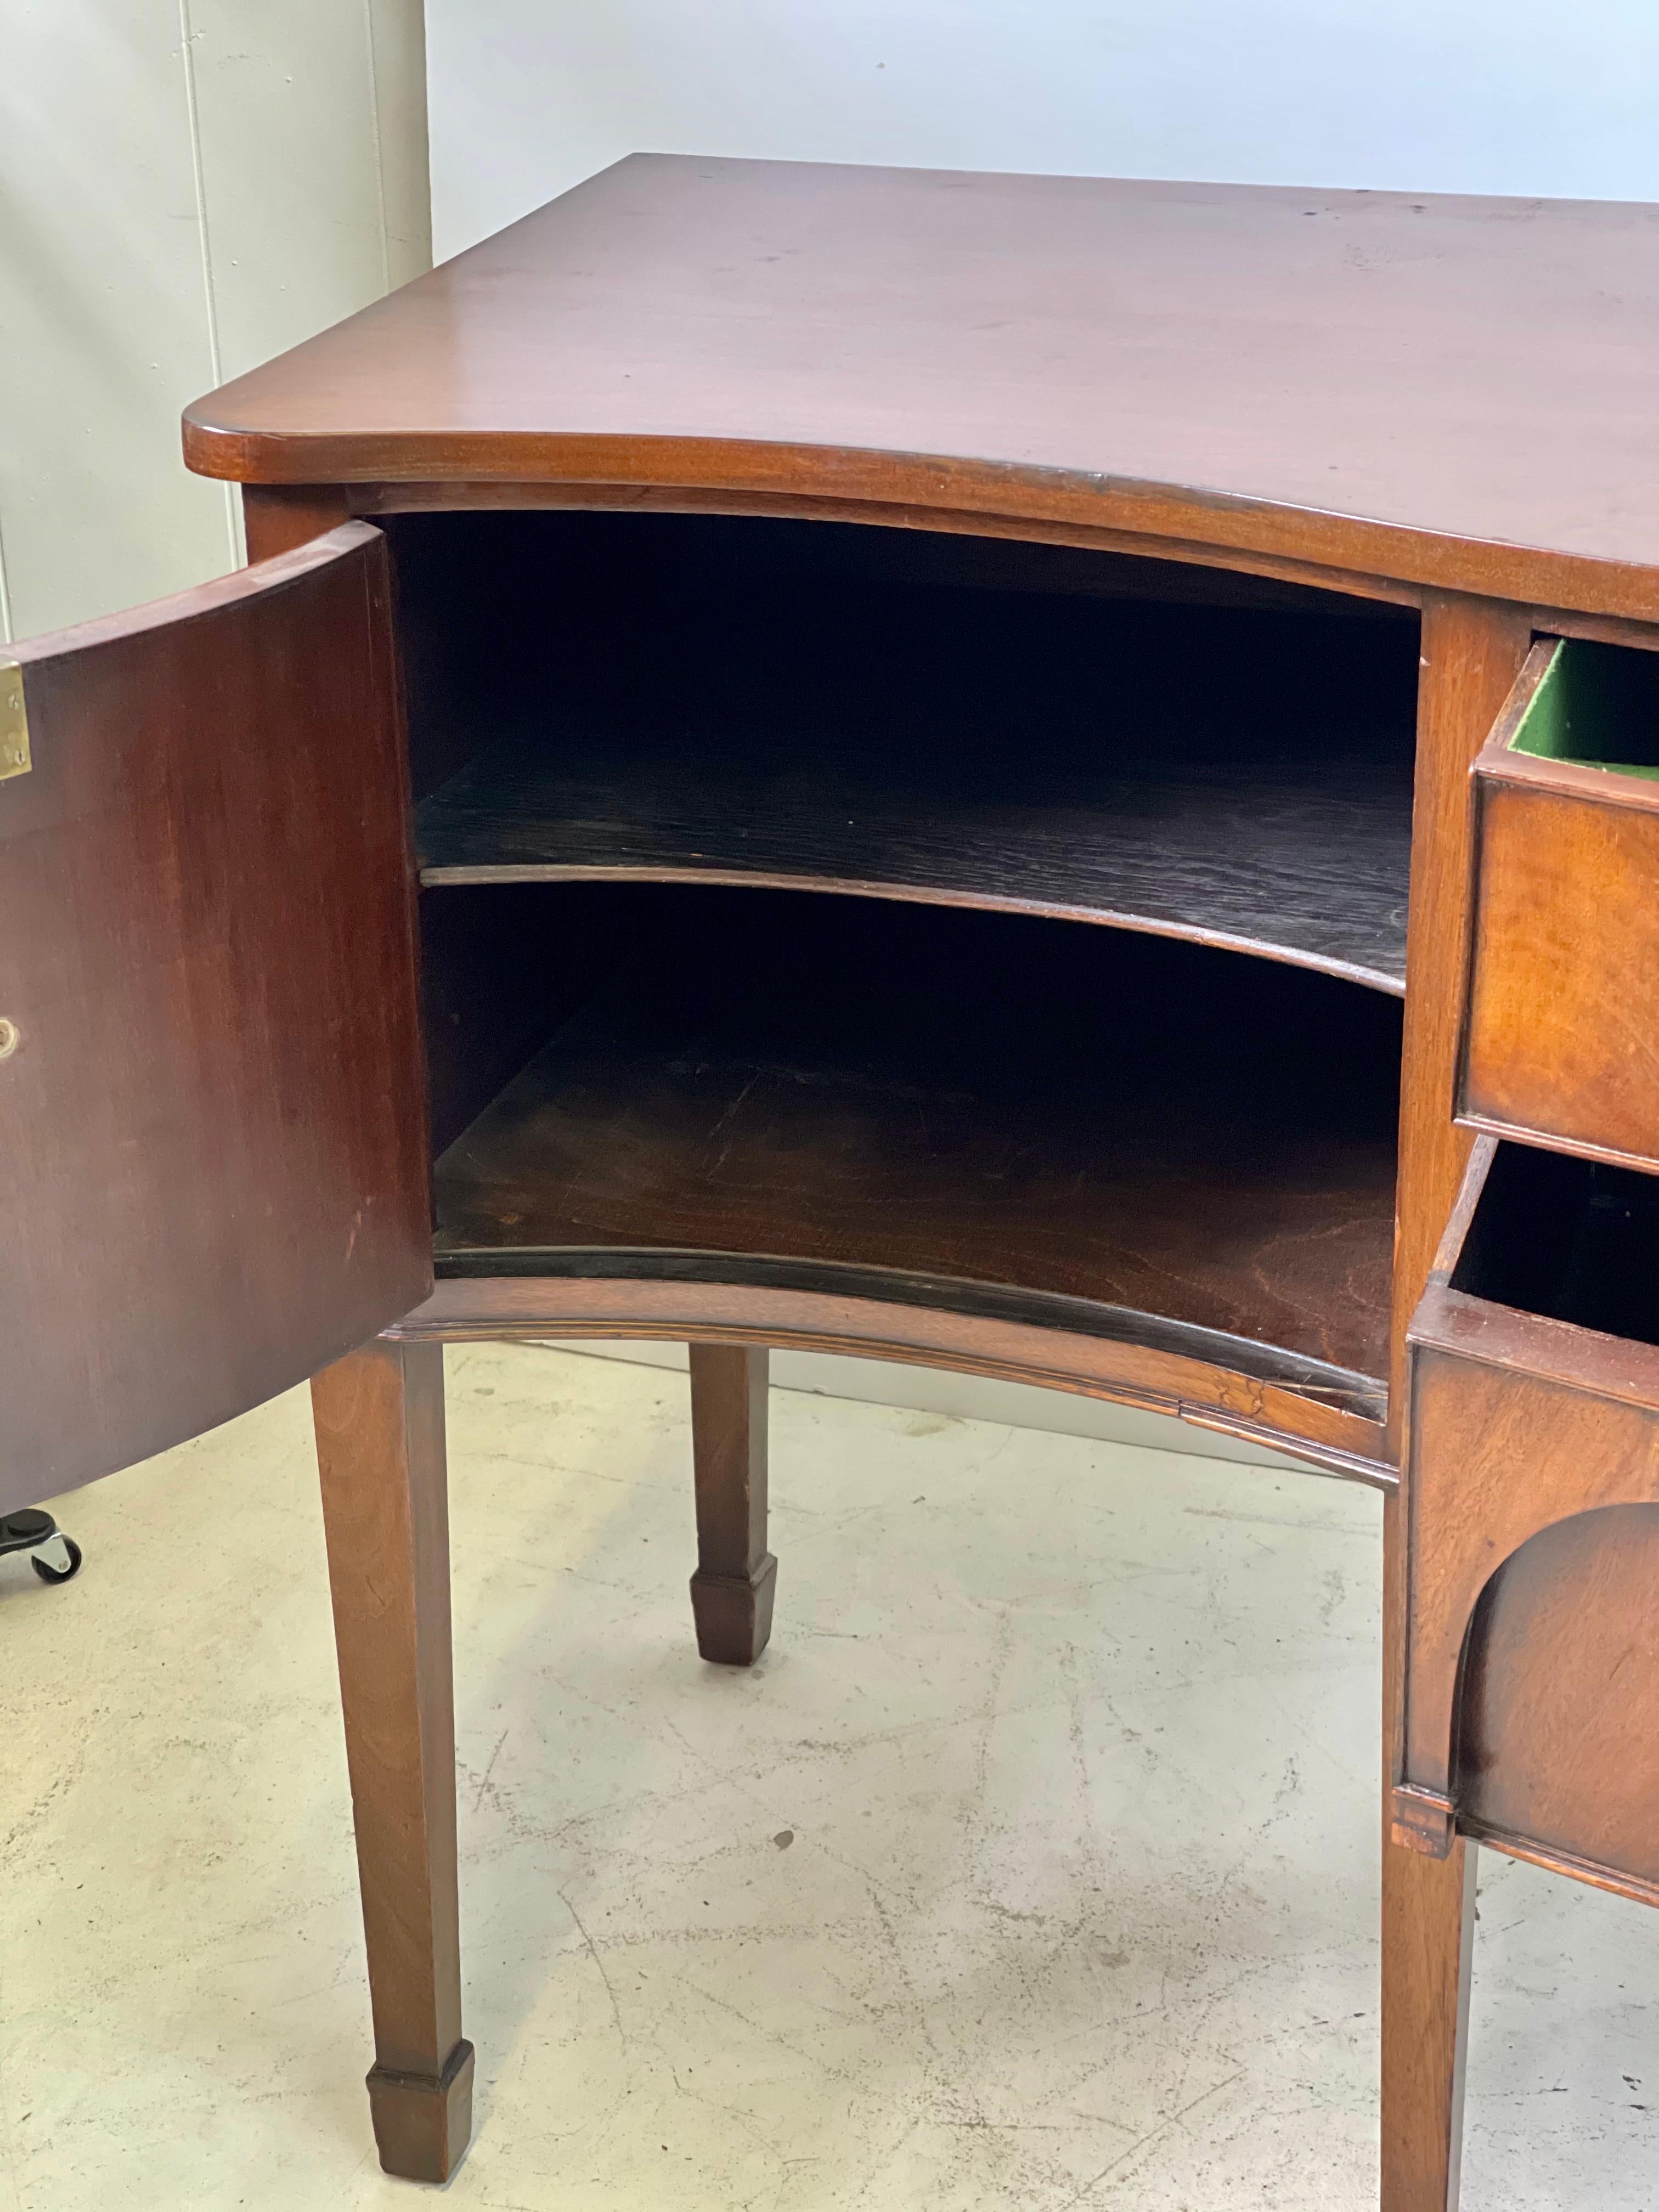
{"type": "Point", "coordinates": [186, 187]}
{"type": "Point", "coordinates": [397, 32]}
{"type": "Point", "coordinates": [103, 313]}
{"type": "Point", "coordinates": [285, 113]}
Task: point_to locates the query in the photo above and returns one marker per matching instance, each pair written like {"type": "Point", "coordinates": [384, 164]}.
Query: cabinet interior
{"type": "Point", "coordinates": [935, 717]}
{"type": "Point", "coordinates": [1597, 704]}
{"type": "Point", "coordinates": [758, 859]}
{"type": "Point", "coordinates": [1571, 1239]}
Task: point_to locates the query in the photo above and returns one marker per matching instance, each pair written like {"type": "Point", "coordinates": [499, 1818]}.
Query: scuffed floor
{"type": "Point", "coordinates": [1033, 1866]}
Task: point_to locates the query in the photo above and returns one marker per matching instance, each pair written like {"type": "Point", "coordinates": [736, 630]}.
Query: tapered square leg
{"type": "Point", "coordinates": [422, 2126]}
{"type": "Point", "coordinates": [1428, 1935]}
{"type": "Point", "coordinates": [1428, 1941]}
{"type": "Point", "coordinates": [379, 1418]}
{"type": "Point", "coordinates": [731, 1590]}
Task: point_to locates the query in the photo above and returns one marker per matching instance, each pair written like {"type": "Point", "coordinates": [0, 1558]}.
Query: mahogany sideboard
{"type": "Point", "coordinates": [986, 770]}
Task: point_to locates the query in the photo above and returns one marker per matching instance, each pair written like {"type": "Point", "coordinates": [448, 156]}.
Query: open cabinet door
{"type": "Point", "coordinates": [213, 1162]}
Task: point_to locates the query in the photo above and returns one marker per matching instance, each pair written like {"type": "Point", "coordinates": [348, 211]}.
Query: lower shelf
{"type": "Point", "coordinates": [1120, 1137]}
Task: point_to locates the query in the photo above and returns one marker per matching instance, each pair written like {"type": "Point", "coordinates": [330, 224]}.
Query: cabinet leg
{"type": "Point", "coordinates": [380, 1417]}
{"type": "Point", "coordinates": [1428, 1935]}
{"type": "Point", "coordinates": [732, 1589]}
{"type": "Point", "coordinates": [1428, 1943]}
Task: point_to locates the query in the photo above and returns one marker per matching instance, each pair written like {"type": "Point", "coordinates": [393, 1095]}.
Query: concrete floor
{"type": "Point", "coordinates": [1033, 1867]}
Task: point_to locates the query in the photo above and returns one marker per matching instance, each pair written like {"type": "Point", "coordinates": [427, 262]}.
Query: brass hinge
{"type": "Point", "coordinates": [14, 722]}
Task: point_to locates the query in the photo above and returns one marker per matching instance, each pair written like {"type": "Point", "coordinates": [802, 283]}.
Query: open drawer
{"type": "Point", "coordinates": [1562, 1042]}
{"type": "Point", "coordinates": [1531, 1684]}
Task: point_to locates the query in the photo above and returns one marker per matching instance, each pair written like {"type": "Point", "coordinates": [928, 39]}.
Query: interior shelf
{"type": "Point", "coordinates": [1305, 864]}
{"type": "Point", "coordinates": [875, 712]}
{"type": "Point", "coordinates": [1117, 1133]}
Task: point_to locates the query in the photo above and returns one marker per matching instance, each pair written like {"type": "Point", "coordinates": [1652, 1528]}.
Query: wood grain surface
{"type": "Point", "coordinates": [736, 1580]}
{"type": "Point", "coordinates": [1472, 655]}
{"type": "Point", "coordinates": [382, 500]}
{"type": "Point", "coordinates": [1558, 1744]}
{"type": "Point", "coordinates": [1176, 1176]}
{"type": "Point", "coordinates": [1085, 1350]}
{"type": "Point", "coordinates": [213, 1152]}
{"type": "Point", "coordinates": [379, 1424]}
{"type": "Point", "coordinates": [1122, 1120]}
{"type": "Point", "coordinates": [731, 701]}
{"type": "Point", "coordinates": [1472, 651]}
{"type": "Point", "coordinates": [277, 518]}
{"type": "Point", "coordinates": [1371, 379]}
{"type": "Point", "coordinates": [1535, 1400]}
{"type": "Point", "coordinates": [1562, 1021]}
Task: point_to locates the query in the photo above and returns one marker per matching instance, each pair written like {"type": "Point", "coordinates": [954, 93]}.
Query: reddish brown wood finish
{"type": "Point", "coordinates": [733, 1589]}
{"type": "Point", "coordinates": [276, 518]}
{"type": "Point", "coordinates": [914, 1097]}
{"type": "Point", "coordinates": [379, 1417]}
{"type": "Point", "coordinates": [393, 495]}
{"type": "Point", "coordinates": [213, 1155]}
{"type": "Point", "coordinates": [1471, 651]}
{"type": "Point", "coordinates": [1266, 369]}
{"type": "Point", "coordinates": [1558, 1748]}
{"type": "Point", "coordinates": [1428, 1941]}
{"type": "Point", "coordinates": [1358, 390]}
{"type": "Point", "coordinates": [1017, 727]}
{"type": "Point", "coordinates": [1564, 1008]}
{"type": "Point", "coordinates": [1222, 563]}
{"type": "Point", "coordinates": [1519, 1423]}
{"type": "Point", "coordinates": [1132, 1374]}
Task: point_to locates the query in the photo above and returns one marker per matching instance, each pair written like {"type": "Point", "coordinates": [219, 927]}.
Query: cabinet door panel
{"type": "Point", "coordinates": [213, 1158]}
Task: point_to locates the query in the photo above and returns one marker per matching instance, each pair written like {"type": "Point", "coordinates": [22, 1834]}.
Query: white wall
{"type": "Point", "coordinates": [186, 186]}
{"type": "Point", "coordinates": [1556, 97]}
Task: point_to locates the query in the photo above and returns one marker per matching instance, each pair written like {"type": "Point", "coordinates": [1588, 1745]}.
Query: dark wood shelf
{"type": "Point", "coordinates": [1114, 1132]}
{"type": "Point", "coordinates": [1307, 865]}
{"type": "Point", "coordinates": [879, 713]}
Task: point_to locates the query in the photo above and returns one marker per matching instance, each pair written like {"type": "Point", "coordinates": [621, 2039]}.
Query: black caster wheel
{"type": "Point", "coordinates": [48, 1573]}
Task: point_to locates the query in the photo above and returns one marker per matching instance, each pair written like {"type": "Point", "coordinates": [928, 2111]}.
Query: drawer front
{"type": "Point", "coordinates": [1529, 1709]}
{"type": "Point", "coordinates": [1562, 1041]}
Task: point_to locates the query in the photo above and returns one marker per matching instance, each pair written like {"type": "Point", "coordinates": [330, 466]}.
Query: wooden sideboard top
{"type": "Point", "coordinates": [1450, 391]}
